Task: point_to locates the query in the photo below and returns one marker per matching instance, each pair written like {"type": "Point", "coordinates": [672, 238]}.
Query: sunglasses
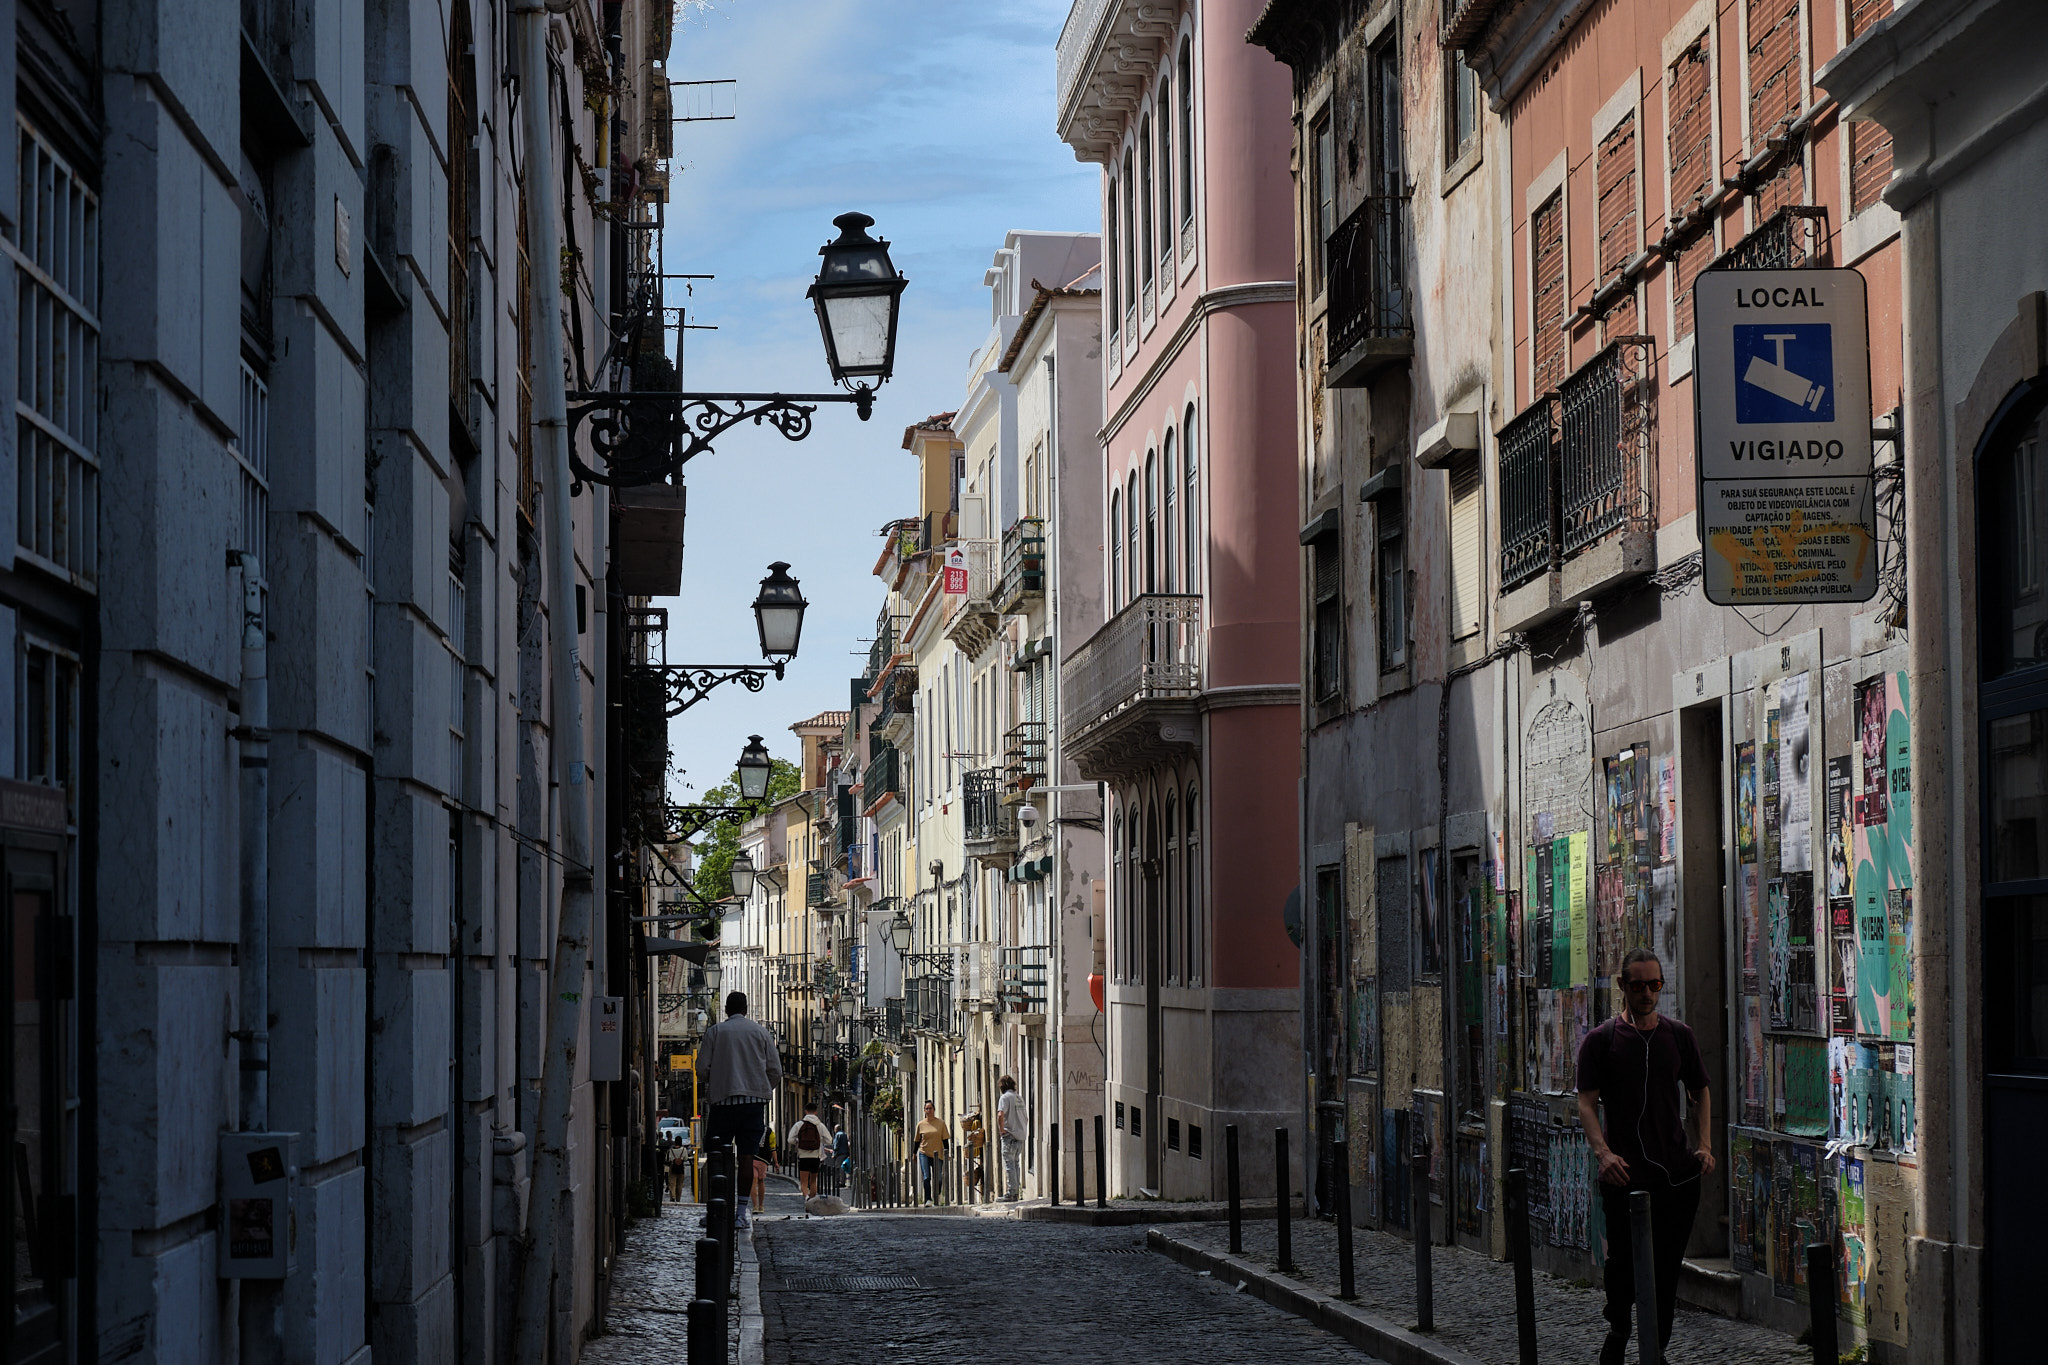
{"type": "Point", "coordinates": [1657, 985]}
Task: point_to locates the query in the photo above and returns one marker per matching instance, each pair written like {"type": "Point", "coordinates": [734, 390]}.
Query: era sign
{"type": "Point", "coordinates": [1781, 409]}
{"type": "Point", "coordinates": [956, 571]}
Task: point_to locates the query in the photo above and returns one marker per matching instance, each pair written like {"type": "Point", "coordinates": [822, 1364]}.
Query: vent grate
{"type": "Point", "coordinates": [832, 1284]}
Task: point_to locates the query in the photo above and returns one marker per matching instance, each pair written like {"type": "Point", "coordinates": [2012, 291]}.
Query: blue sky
{"type": "Point", "coordinates": [933, 117]}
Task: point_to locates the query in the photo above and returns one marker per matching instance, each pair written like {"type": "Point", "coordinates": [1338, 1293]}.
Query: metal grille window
{"type": "Point", "coordinates": [1870, 145]}
{"type": "Point", "coordinates": [56, 254]}
{"type": "Point", "coordinates": [1619, 224]}
{"type": "Point", "coordinates": [252, 452]}
{"type": "Point", "coordinates": [1546, 314]}
{"type": "Point", "coordinates": [1328, 664]}
{"type": "Point", "coordinates": [1689, 150]}
{"type": "Point", "coordinates": [1776, 74]}
{"type": "Point", "coordinates": [1528, 483]}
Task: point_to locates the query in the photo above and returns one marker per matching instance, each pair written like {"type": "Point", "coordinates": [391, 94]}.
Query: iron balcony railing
{"type": "Point", "coordinates": [1024, 755]}
{"type": "Point", "coordinates": [888, 634]}
{"type": "Point", "coordinates": [980, 554]}
{"type": "Point", "coordinates": [1368, 295]}
{"type": "Point", "coordinates": [937, 528]}
{"type": "Point", "coordinates": [882, 777]}
{"type": "Point", "coordinates": [1606, 444]}
{"type": "Point", "coordinates": [898, 695]}
{"type": "Point", "coordinates": [1528, 494]}
{"type": "Point", "coordinates": [928, 1004]}
{"type": "Point", "coordinates": [1023, 561]}
{"type": "Point", "coordinates": [1025, 974]}
{"type": "Point", "coordinates": [1792, 237]}
{"type": "Point", "coordinates": [1149, 651]}
{"type": "Point", "coordinates": [988, 818]}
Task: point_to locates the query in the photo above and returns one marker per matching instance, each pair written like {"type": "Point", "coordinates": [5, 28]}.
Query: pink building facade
{"type": "Point", "coordinates": [1185, 703]}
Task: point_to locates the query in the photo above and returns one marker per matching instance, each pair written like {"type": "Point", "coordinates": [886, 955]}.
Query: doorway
{"type": "Point", "coordinates": [1705, 1002]}
{"type": "Point", "coordinates": [1155, 1044]}
{"type": "Point", "coordinates": [37, 1186]}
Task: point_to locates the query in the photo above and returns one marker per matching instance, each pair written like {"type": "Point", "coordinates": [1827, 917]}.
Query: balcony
{"type": "Point", "coordinates": [1024, 758]}
{"type": "Point", "coordinates": [971, 619]}
{"type": "Point", "coordinates": [928, 1005]}
{"type": "Point", "coordinates": [1129, 692]}
{"type": "Point", "coordinates": [1370, 325]}
{"type": "Point", "coordinates": [1025, 974]}
{"type": "Point", "coordinates": [979, 976]}
{"type": "Point", "coordinates": [1796, 235]}
{"type": "Point", "coordinates": [991, 823]}
{"type": "Point", "coordinates": [1023, 564]}
{"type": "Point", "coordinates": [883, 777]}
{"type": "Point", "coordinates": [898, 697]}
{"type": "Point", "coordinates": [1576, 470]}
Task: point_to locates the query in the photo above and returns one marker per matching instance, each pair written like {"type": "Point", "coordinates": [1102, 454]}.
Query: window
{"type": "Point", "coordinates": [1145, 237]}
{"type": "Point", "coordinates": [1130, 242]}
{"type": "Point", "coordinates": [46, 738]}
{"type": "Point", "coordinates": [1117, 913]}
{"type": "Point", "coordinates": [1461, 107]}
{"type": "Point", "coordinates": [1191, 536]}
{"type": "Point", "coordinates": [2015, 633]}
{"type": "Point", "coordinates": [1323, 205]}
{"type": "Point", "coordinates": [1187, 146]}
{"type": "Point", "coordinates": [1617, 223]}
{"type": "Point", "coordinates": [1194, 1142]}
{"type": "Point", "coordinates": [56, 400]}
{"type": "Point", "coordinates": [1168, 486]}
{"type": "Point", "coordinates": [1113, 295]}
{"type": "Point", "coordinates": [1133, 584]}
{"type": "Point", "coordinates": [1393, 585]}
{"type": "Point", "coordinates": [1151, 521]}
{"type": "Point", "coordinates": [1176, 929]}
{"type": "Point", "coordinates": [458, 627]}
{"type": "Point", "coordinates": [1137, 1120]}
{"type": "Point", "coordinates": [1776, 71]}
{"type": "Point", "coordinates": [1173, 1135]}
{"type": "Point", "coordinates": [1468, 548]}
{"type": "Point", "coordinates": [1546, 318]}
{"type": "Point", "coordinates": [1327, 665]}
{"type": "Point", "coordinates": [1116, 550]}
{"type": "Point", "coordinates": [1689, 98]}
{"type": "Point", "coordinates": [1870, 145]}
{"type": "Point", "coordinates": [252, 452]}
{"type": "Point", "coordinates": [1166, 220]}
{"type": "Point", "coordinates": [1191, 889]}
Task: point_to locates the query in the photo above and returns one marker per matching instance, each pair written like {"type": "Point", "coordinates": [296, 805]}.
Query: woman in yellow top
{"type": "Point", "coordinates": [932, 1137]}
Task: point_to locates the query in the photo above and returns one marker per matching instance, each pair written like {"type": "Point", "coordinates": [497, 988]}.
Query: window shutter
{"type": "Point", "coordinates": [1547, 349]}
{"type": "Point", "coordinates": [1776, 69]}
{"type": "Point", "coordinates": [1615, 176]}
{"type": "Point", "coordinates": [1690, 153]}
{"type": "Point", "coordinates": [1468, 558]}
{"type": "Point", "coordinates": [1870, 145]}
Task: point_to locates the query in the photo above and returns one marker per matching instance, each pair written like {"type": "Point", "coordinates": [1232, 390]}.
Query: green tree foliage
{"type": "Point", "coordinates": [717, 844]}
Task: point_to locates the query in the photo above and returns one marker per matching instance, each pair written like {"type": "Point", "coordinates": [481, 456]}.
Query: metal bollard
{"type": "Point", "coordinates": [1347, 1286]}
{"type": "Point", "coordinates": [706, 1338]}
{"type": "Point", "coordinates": [1052, 1152]}
{"type": "Point", "coordinates": [1649, 1340]}
{"type": "Point", "coordinates": [1418, 1202]}
{"type": "Point", "coordinates": [1820, 1298]}
{"type": "Point", "coordinates": [1080, 1162]}
{"type": "Point", "coordinates": [1101, 1167]}
{"type": "Point", "coordinates": [1519, 1257]}
{"type": "Point", "coordinates": [1236, 1197]}
{"type": "Point", "coordinates": [713, 1278]}
{"type": "Point", "coordinates": [1283, 1202]}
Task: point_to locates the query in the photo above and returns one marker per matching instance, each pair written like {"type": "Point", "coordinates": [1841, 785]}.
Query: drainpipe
{"type": "Point", "coordinates": [566, 1003]}
{"type": "Point", "coordinates": [262, 1337]}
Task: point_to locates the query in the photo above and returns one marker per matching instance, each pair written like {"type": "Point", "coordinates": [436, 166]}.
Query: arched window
{"type": "Point", "coordinates": [1151, 521]}
{"type": "Point", "coordinates": [1131, 580]}
{"type": "Point", "coordinates": [1191, 515]}
{"type": "Point", "coordinates": [1166, 218]}
{"type": "Point", "coordinates": [1187, 139]}
{"type": "Point", "coordinates": [1145, 251]}
{"type": "Point", "coordinates": [1169, 570]}
{"type": "Point", "coordinates": [1176, 933]}
{"type": "Point", "coordinates": [1130, 235]}
{"type": "Point", "coordinates": [1113, 294]}
{"type": "Point", "coordinates": [1118, 913]}
{"type": "Point", "coordinates": [1195, 938]}
{"type": "Point", "coordinates": [1116, 550]}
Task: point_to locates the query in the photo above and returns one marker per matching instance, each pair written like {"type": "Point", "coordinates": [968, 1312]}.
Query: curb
{"type": "Point", "coordinates": [1393, 1344]}
{"type": "Point", "coordinates": [1141, 1214]}
{"type": "Point", "coordinates": [752, 1326]}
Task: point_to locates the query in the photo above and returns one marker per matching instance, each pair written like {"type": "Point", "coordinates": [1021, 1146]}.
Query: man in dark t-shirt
{"type": "Point", "coordinates": [1632, 1067]}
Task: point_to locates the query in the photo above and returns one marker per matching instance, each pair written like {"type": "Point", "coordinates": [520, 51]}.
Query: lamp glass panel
{"type": "Point", "coordinates": [780, 628]}
{"type": "Point", "coordinates": [860, 331]}
{"type": "Point", "coordinates": [753, 781]}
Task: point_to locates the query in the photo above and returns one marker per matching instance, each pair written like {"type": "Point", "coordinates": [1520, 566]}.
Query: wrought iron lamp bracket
{"type": "Point", "coordinates": [685, 685]}
{"type": "Point", "coordinates": [687, 822]}
{"type": "Point", "coordinates": [645, 437]}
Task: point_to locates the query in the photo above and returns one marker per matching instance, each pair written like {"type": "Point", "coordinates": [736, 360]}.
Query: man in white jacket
{"type": "Point", "coordinates": [740, 1069]}
{"type": "Point", "coordinates": [810, 1139]}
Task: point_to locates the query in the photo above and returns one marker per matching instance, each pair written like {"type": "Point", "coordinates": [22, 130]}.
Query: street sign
{"type": "Point", "coordinates": [1781, 412]}
{"type": "Point", "coordinates": [956, 571]}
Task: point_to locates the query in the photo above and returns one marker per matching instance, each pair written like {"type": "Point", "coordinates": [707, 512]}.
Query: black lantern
{"type": "Point", "coordinates": [817, 1033]}
{"type": "Point", "coordinates": [714, 972]}
{"type": "Point", "coordinates": [779, 613]}
{"type": "Point", "coordinates": [754, 768]}
{"type": "Point", "coordinates": [742, 873]}
{"type": "Point", "coordinates": [899, 933]}
{"type": "Point", "coordinates": [848, 1003]}
{"type": "Point", "coordinates": [857, 295]}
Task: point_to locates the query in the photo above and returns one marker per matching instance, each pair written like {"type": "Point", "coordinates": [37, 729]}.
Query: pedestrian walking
{"type": "Point", "coordinates": [809, 1139]}
{"type": "Point", "coordinates": [677, 1161]}
{"type": "Point", "coordinates": [1632, 1067]}
{"type": "Point", "coordinates": [740, 1068]}
{"type": "Point", "coordinates": [1010, 1136]}
{"type": "Point", "coordinates": [932, 1136]}
{"type": "Point", "coordinates": [973, 1137]}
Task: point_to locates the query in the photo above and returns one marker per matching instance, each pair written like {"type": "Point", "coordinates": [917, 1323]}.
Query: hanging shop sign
{"type": "Point", "coordinates": [956, 571]}
{"type": "Point", "coordinates": [1781, 411]}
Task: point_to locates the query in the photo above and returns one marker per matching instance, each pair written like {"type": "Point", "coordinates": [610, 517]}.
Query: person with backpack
{"type": "Point", "coordinates": [810, 1139]}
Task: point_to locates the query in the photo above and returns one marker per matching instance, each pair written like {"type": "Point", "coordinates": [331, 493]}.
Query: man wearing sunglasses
{"type": "Point", "coordinates": [1632, 1066]}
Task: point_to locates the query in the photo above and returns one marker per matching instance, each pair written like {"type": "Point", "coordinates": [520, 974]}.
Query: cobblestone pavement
{"type": "Point", "coordinates": [1474, 1299]}
{"type": "Point", "coordinates": [1009, 1290]}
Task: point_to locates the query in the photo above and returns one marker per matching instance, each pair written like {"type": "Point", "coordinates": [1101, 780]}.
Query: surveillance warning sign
{"type": "Point", "coordinates": [1781, 408]}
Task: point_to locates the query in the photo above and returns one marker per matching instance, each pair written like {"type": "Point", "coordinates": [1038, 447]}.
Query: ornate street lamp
{"type": "Point", "coordinates": [714, 972]}
{"type": "Point", "coordinates": [742, 873]}
{"type": "Point", "coordinates": [858, 295]}
{"type": "Point", "coordinates": [899, 933]}
{"type": "Point", "coordinates": [754, 770]}
{"type": "Point", "coordinates": [847, 1005]}
{"type": "Point", "coordinates": [779, 614]}
{"type": "Point", "coordinates": [644, 436]}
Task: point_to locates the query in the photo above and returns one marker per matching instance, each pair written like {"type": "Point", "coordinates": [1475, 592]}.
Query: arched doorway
{"type": "Point", "coordinates": [2012, 576]}
{"type": "Point", "coordinates": [1155, 969]}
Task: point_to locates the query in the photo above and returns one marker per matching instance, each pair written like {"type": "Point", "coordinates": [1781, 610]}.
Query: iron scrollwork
{"type": "Point", "coordinates": [645, 437]}
{"type": "Point", "coordinates": [684, 685]}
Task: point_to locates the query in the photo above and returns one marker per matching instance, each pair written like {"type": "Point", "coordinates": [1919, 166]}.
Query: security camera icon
{"type": "Point", "coordinates": [1786, 373]}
